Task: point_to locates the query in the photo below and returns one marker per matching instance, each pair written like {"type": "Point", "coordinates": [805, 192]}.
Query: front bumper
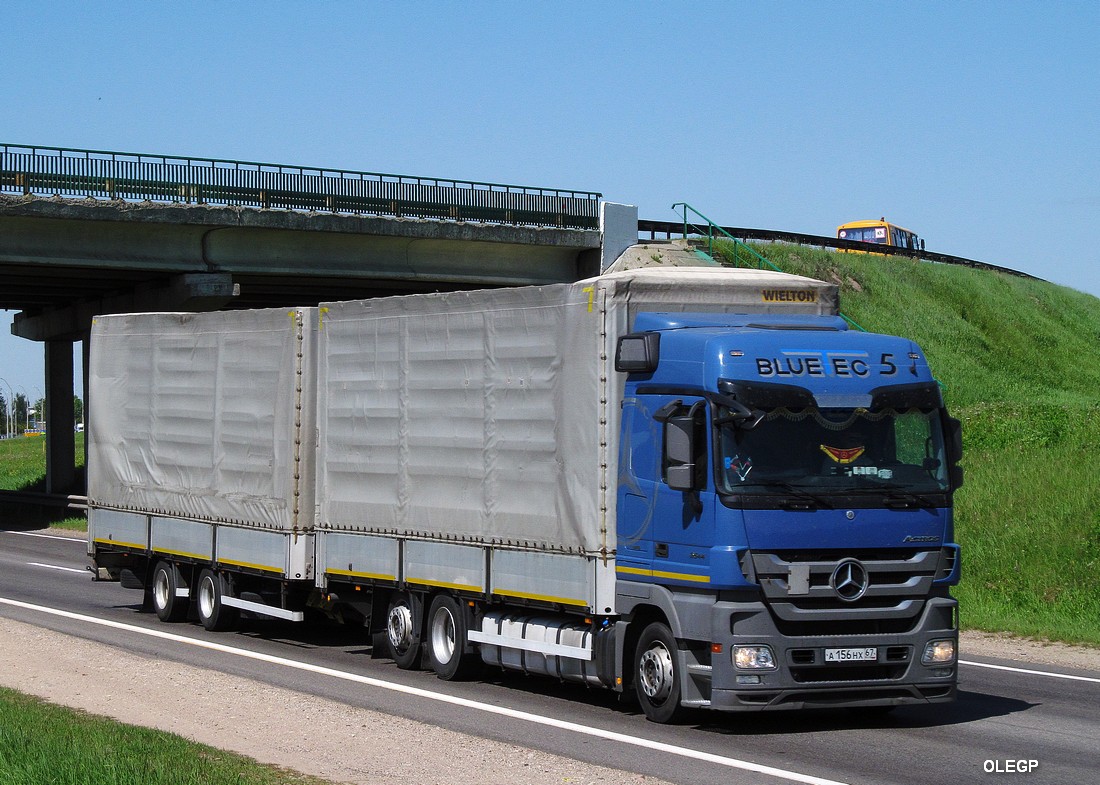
{"type": "Point", "coordinates": [804, 678]}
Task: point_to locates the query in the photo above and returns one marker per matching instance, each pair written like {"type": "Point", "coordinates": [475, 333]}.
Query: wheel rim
{"type": "Point", "coordinates": [206, 597]}
{"type": "Point", "coordinates": [656, 672]}
{"type": "Point", "coordinates": [160, 589]}
{"type": "Point", "coordinates": [399, 627]}
{"type": "Point", "coordinates": [443, 635]}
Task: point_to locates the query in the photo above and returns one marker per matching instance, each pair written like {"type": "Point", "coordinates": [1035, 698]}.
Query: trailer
{"type": "Point", "coordinates": [559, 479]}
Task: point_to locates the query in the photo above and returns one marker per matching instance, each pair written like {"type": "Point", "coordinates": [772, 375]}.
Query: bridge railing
{"type": "Point", "coordinates": [48, 171]}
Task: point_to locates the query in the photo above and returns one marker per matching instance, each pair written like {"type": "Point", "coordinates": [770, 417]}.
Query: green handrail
{"type": "Point", "coordinates": [711, 226]}
{"type": "Point", "coordinates": [737, 245]}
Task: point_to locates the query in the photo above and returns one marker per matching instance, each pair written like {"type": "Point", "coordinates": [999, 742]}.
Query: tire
{"type": "Point", "coordinates": [166, 604]}
{"type": "Point", "coordinates": [403, 626]}
{"type": "Point", "coordinates": [656, 674]}
{"type": "Point", "coordinates": [448, 651]}
{"type": "Point", "coordinates": [214, 616]}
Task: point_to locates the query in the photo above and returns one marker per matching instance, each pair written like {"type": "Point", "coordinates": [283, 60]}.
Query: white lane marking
{"type": "Point", "coordinates": [81, 540]}
{"type": "Point", "coordinates": [573, 727]}
{"type": "Point", "coordinates": [57, 567]}
{"type": "Point", "coordinates": [1029, 672]}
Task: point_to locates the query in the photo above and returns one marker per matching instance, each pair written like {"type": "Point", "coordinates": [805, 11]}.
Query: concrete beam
{"type": "Point", "coordinates": [189, 292]}
{"type": "Point", "coordinates": [619, 229]}
{"type": "Point", "coordinates": [202, 216]}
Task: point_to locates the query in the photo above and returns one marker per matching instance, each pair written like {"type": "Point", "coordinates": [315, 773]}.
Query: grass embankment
{"type": "Point", "coordinates": [48, 744]}
{"type": "Point", "coordinates": [1017, 359]}
{"type": "Point", "coordinates": [23, 468]}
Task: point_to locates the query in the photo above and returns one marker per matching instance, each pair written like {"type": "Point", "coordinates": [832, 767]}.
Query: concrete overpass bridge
{"type": "Point", "coordinates": [85, 232]}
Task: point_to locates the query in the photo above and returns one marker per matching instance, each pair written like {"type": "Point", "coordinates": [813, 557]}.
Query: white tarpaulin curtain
{"type": "Point", "coordinates": [194, 415]}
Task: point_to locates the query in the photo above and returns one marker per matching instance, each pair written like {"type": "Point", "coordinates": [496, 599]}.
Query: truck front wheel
{"type": "Point", "coordinates": [214, 615]}
{"type": "Point", "coordinates": [656, 676]}
{"type": "Point", "coordinates": [168, 606]}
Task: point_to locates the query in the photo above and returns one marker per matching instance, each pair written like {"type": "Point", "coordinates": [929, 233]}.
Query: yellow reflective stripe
{"type": "Point", "coordinates": [542, 597]}
{"type": "Point", "coordinates": [353, 574]}
{"type": "Point", "coordinates": [185, 554]}
{"type": "Point", "coordinates": [675, 576]}
{"type": "Point", "coordinates": [249, 565]}
{"type": "Point", "coordinates": [120, 542]}
{"type": "Point", "coordinates": [444, 585]}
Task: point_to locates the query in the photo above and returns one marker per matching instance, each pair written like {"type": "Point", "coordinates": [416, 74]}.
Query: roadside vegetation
{"type": "Point", "coordinates": [1016, 358]}
{"type": "Point", "coordinates": [43, 743]}
{"type": "Point", "coordinates": [23, 468]}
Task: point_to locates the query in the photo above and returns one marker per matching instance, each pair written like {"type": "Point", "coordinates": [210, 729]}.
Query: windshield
{"type": "Point", "coordinates": [834, 451]}
{"type": "Point", "coordinates": [870, 234]}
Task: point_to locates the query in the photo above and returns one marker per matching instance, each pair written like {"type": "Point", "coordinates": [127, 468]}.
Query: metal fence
{"type": "Point", "coordinates": [49, 171]}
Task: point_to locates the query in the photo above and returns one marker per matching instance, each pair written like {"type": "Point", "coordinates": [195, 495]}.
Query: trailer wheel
{"type": "Point", "coordinates": [214, 616]}
{"type": "Point", "coordinates": [447, 640]}
{"type": "Point", "coordinates": [403, 624]}
{"type": "Point", "coordinates": [167, 605]}
{"type": "Point", "coordinates": [656, 679]}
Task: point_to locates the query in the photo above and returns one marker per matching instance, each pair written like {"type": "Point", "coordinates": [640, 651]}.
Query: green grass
{"type": "Point", "coordinates": [42, 743]}
{"type": "Point", "coordinates": [23, 468]}
{"type": "Point", "coordinates": [1017, 361]}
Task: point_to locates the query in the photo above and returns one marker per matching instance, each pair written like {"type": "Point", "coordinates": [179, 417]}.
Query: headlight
{"type": "Point", "coordinates": [753, 657]}
{"type": "Point", "coordinates": [936, 652]}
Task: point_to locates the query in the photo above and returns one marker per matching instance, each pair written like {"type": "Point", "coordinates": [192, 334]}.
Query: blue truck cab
{"type": "Point", "coordinates": [785, 499]}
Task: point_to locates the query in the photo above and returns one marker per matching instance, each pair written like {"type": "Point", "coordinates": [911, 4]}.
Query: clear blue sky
{"type": "Point", "coordinates": [976, 124]}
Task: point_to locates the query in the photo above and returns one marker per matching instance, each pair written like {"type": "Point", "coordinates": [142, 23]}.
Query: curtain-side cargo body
{"type": "Point", "coordinates": [557, 479]}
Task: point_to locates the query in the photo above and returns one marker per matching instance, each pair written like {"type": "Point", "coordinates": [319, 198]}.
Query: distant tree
{"type": "Point", "coordinates": [20, 414]}
{"type": "Point", "coordinates": [78, 410]}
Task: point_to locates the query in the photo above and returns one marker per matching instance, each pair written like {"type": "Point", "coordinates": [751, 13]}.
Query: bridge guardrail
{"type": "Point", "coordinates": [47, 171]}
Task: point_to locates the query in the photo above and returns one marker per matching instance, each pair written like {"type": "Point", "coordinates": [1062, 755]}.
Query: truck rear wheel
{"type": "Point", "coordinates": [447, 640]}
{"type": "Point", "coordinates": [167, 605]}
{"type": "Point", "coordinates": [214, 615]}
{"type": "Point", "coordinates": [403, 624]}
{"type": "Point", "coordinates": [656, 676]}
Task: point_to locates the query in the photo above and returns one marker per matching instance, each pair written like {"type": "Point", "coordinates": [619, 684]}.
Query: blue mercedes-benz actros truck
{"type": "Point", "coordinates": [785, 496]}
{"type": "Point", "coordinates": [696, 486]}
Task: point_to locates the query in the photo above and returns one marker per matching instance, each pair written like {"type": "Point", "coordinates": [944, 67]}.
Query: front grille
{"type": "Point", "coordinates": [799, 593]}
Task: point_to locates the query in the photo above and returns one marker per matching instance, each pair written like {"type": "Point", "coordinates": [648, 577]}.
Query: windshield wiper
{"type": "Point", "coordinates": [897, 497]}
{"type": "Point", "coordinates": [804, 500]}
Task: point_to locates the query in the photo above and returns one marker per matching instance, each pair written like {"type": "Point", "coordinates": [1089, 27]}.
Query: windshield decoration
{"type": "Point", "coordinates": [740, 466]}
{"type": "Point", "coordinates": [832, 452]}
{"type": "Point", "coordinates": [843, 455]}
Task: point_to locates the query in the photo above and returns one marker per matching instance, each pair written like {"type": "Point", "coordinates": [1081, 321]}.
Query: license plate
{"type": "Point", "coordinates": [851, 655]}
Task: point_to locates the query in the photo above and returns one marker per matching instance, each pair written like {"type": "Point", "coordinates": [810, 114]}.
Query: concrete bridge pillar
{"type": "Point", "coordinates": [60, 438]}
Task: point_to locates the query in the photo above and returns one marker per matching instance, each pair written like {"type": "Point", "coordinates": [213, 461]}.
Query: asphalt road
{"type": "Point", "coordinates": [1002, 716]}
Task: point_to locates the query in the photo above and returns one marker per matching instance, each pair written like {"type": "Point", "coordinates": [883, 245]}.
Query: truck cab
{"type": "Point", "coordinates": [784, 506]}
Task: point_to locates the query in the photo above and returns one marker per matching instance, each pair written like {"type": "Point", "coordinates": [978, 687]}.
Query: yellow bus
{"type": "Point", "coordinates": [881, 232]}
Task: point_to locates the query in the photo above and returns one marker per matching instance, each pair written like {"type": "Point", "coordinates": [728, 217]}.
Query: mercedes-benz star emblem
{"type": "Point", "coordinates": [850, 580]}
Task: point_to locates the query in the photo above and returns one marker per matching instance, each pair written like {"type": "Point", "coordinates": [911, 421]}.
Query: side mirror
{"type": "Point", "coordinates": [954, 452]}
{"type": "Point", "coordinates": [954, 440]}
{"type": "Point", "coordinates": [680, 453]}
{"type": "Point", "coordinates": [638, 353]}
